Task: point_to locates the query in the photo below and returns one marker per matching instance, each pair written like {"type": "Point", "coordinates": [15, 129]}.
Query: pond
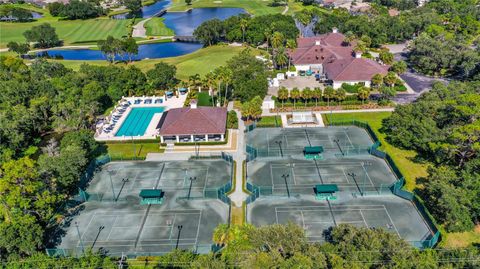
{"type": "Point", "coordinates": [156, 50]}
{"type": "Point", "coordinates": [183, 23]}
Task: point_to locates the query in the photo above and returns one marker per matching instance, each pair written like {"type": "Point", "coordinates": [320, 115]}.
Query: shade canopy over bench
{"type": "Point", "coordinates": [326, 191]}
{"type": "Point", "coordinates": [313, 150]}
{"type": "Point", "coordinates": [151, 196]}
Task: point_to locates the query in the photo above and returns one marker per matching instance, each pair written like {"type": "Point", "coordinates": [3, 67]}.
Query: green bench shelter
{"type": "Point", "coordinates": [326, 191]}
{"type": "Point", "coordinates": [151, 196]}
{"type": "Point", "coordinates": [313, 153]}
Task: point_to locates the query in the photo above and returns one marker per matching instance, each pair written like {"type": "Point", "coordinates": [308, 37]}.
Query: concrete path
{"type": "Point", "coordinates": [267, 112]}
{"type": "Point", "coordinates": [285, 10]}
{"type": "Point", "coordinates": [238, 196]}
{"type": "Point", "coordinates": [139, 29]}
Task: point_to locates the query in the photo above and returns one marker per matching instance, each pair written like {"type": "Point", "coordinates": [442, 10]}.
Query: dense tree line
{"type": "Point", "coordinates": [47, 114]}
{"type": "Point", "coordinates": [76, 9]}
{"type": "Point", "coordinates": [243, 28]}
{"type": "Point", "coordinates": [282, 246]}
{"type": "Point", "coordinates": [19, 14]}
{"type": "Point", "coordinates": [443, 126]}
{"type": "Point", "coordinates": [460, 18]}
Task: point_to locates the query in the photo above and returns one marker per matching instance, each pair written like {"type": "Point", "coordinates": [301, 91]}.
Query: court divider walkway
{"type": "Point", "coordinates": [239, 156]}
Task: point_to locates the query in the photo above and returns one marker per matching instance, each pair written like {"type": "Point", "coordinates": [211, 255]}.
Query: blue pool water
{"type": "Point", "coordinates": [138, 120]}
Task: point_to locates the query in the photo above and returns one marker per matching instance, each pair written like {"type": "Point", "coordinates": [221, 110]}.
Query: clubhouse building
{"type": "Point", "coordinates": [329, 57]}
{"type": "Point", "coordinates": [193, 124]}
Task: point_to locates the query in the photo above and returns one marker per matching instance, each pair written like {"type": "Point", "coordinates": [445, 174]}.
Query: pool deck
{"type": "Point", "coordinates": [151, 131]}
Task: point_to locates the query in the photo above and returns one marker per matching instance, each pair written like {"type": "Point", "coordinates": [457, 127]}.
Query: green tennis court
{"type": "Point", "coordinates": [137, 121]}
{"type": "Point", "coordinates": [390, 213]}
{"type": "Point", "coordinates": [124, 180]}
{"type": "Point", "coordinates": [356, 174]}
{"type": "Point", "coordinates": [114, 220]}
{"type": "Point", "coordinates": [279, 142]}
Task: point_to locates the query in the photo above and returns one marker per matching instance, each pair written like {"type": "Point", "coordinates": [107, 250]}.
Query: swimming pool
{"type": "Point", "coordinates": [138, 120]}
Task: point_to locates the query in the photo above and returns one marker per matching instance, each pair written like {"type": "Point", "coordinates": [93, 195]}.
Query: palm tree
{"type": "Point", "coordinates": [194, 81]}
{"type": "Point", "coordinates": [317, 94]}
{"type": "Point", "coordinates": [268, 34]}
{"type": "Point", "coordinates": [210, 78]}
{"type": "Point", "coordinates": [219, 77]}
{"type": "Point", "coordinates": [295, 94]}
{"type": "Point", "coordinates": [227, 78]}
{"type": "Point", "coordinates": [291, 44]}
{"type": "Point", "coordinates": [340, 95]}
{"type": "Point", "coordinates": [283, 94]}
{"type": "Point", "coordinates": [349, 37]}
{"type": "Point", "coordinates": [377, 80]}
{"type": "Point", "coordinates": [243, 26]}
{"type": "Point", "coordinates": [281, 57]}
{"type": "Point", "coordinates": [363, 93]}
{"type": "Point", "coordinates": [329, 93]}
{"type": "Point", "coordinates": [390, 79]}
{"type": "Point", "coordinates": [306, 95]}
{"type": "Point", "coordinates": [277, 40]}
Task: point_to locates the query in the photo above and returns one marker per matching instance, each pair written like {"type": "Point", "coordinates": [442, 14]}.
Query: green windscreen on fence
{"type": "Point", "coordinates": [397, 187]}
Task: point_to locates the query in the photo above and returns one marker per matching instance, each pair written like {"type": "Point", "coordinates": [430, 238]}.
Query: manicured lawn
{"type": "Point", "coordinates": [204, 99]}
{"type": "Point", "coordinates": [461, 240]}
{"type": "Point", "coordinates": [403, 158]}
{"type": "Point", "coordinates": [71, 32]}
{"type": "Point", "coordinates": [126, 150]}
{"type": "Point", "coordinates": [270, 121]}
{"type": "Point", "coordinates": [201, 61]}
{"type": "Point", "coordinates": [255, 7]}
{"type": "Point", "coordinates": [156, 27]}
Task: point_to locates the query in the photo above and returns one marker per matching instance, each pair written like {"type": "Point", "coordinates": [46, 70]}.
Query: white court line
{"type": "Point", "coordinates": [198, 227]}
{"type": "Point", "coordinates": [303, 219]}
{"type": "Point", "coordinates": [271, 175]}
{"type": "Point", "coordinates": [268, 144]}
{"type": "Point", "coordinates": [345, 175]}
{"type": "Point", "coordinates": [134, 181]}
{"type": "Point", "coordinates": [363, 217]}
{"type": "Point", "coordinates": [206, 179]}
{"type": "Point", "coordinates": [86, 228]}
{"type": "Point", "coordinates": [173, 225]}
{"type": "Point", "coordinates": [293, 175]}
{"type": "Point", "coordinates": [111, 228]}
{"type": "Point", "coordinates": [394, 226]}
{"type": "Point", "coordinates": [326, 165]}
{"type": "Point", "coordinates": [334, 210]}
{"type": "Point", "coordinates": [348, 137]}
{"type": "Point", "coordinates": [150, 214]}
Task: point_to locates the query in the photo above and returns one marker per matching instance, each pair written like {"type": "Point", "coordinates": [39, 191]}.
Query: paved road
{"type": "Point", "coordinates": [418, 82]}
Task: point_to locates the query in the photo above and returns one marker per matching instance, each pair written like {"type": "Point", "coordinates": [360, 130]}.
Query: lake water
{"type": "Point", "coordinates": [183, 23]}
{"type": "Point", "coordinates": [152, 51]}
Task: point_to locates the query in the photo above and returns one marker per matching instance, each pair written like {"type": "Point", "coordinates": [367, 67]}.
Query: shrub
{"type": "Point", "coordinates": [232, 120]}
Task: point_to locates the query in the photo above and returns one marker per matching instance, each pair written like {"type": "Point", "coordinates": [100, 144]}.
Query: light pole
{"type": "Point", "coordinates": [285, 176]}
{"type": "Point", "coordinates": [190, 188]}
{"type": "Point", "coordinates": [279, 143]}
{"type": "Point", "coordinates": [179, 227]}
{"type": "Point", "coordinates": [80, 238]}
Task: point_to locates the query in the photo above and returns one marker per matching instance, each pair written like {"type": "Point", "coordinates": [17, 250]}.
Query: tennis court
{"type": "Point", "coordinates": [119, 181]}
{"type": "Point", "coordinates": [145, 230]}
{"type": "Point", "coordinates": [137, 121]}
{"type": "Point", "coordinates": [390, 213]}
{"type": "Point", "coordinates": [279, 142]}
{"type": "Point", "coordinates": [355, 174]}
{"type": "Point", "coordinates": [114, 220]}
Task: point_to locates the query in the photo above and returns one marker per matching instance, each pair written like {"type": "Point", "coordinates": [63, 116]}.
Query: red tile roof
{"type": "Point", "coordinates": [339, 61]}
{"type": "Point", "coordinates": [189, 121]}
{"type": "Point", "coordinates": [354, 69]}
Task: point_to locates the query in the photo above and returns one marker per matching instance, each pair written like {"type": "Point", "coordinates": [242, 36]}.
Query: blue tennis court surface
{"type": "Point", "coordinates": [138, 120]}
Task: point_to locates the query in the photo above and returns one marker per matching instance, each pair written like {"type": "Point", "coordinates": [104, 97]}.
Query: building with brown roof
{"type": "Point", "coordinates": [193, 124]}
{"type": "Point", "coordinates": [329, 55]}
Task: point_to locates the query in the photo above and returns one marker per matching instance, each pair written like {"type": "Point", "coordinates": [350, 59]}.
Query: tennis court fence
{"type": "Point", "coordinates": [397, 187]}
